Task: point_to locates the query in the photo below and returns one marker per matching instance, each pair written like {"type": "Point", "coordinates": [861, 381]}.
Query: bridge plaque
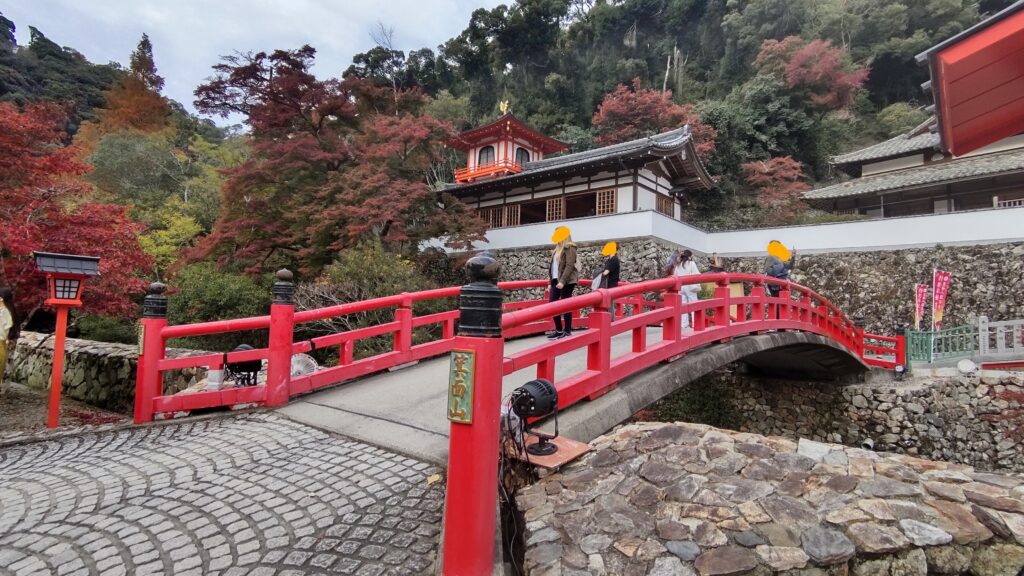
{"type": "Point", "coordinates": [460, 386]}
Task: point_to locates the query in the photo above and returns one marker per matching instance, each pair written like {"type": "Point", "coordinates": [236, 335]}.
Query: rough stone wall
{"type": "Point", "coordinates": [99, 373]}
{"type": "Point", "coordinates": [988, 280]}
{"type": "Point", "coordinates": [640, 259]}
{"type": "Point", "coordinates": [954, 419]}
{"type": "Point", "coordinates": [685, 499]}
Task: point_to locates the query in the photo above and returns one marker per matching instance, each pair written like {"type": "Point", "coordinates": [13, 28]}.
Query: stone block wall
{"type": "Point", "coordinates": [963, 419]}
{"type": "Point", "coordinates": [988, 280]}
{"type": "Point", "coordinates": [99, 373]}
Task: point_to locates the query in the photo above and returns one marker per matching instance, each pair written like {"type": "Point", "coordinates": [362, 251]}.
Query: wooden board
{"type": "Point", "coordinates": [568, 450]}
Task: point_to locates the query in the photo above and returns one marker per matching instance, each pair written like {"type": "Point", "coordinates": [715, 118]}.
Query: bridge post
{"type": "Point", "coordinates": [403, 337]}
{"type": "Point", "coordinates": [722, 317]}
{"type": "Point", "coordinates": [474, 409]}
{"type": "Point", "coordinates": [599, 354]}
{"type": "Point", "coordinates": [282, 325]}
{"type": "Point", "coordinates": [149, 381]}
{"type": "Point", "coordinates": [757, 308]}
{"type": "Point", "coordinates": [672, 327]}
{"type": "Point", "coordinates": [785, 310]}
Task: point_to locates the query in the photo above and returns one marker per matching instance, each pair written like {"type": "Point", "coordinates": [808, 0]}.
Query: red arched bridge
{"type": "Point", "coordinates": [653, 327]}
{"type": "Point", "coordinates": [803, 324]}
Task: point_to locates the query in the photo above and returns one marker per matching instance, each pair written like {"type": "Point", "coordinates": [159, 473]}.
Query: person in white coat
{"type": "Point", "coordinates": [685, 266]}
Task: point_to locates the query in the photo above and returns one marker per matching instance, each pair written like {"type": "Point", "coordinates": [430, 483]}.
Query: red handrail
{"type": "Point", "coordinates": [810, 312]}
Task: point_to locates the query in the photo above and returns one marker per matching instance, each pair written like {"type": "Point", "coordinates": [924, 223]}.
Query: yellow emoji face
{"type": "Point", "coordinates": [775, 248]}
{"type": "Point", "coordinates": [610, 249]}
{"type": "Point", "coordinates": [561, 233]}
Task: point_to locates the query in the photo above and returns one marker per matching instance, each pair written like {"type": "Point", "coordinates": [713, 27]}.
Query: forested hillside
{"type": "Point", "coordinates": [555, 60]}
{"type": "Point", "coordinates": [339, 178]}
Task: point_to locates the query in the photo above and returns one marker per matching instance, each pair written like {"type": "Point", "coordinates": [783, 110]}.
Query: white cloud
{"type": "Point", "coordinates": [189, 36]}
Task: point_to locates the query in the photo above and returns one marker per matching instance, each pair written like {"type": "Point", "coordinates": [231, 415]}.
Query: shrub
{"type": "Point", "coordinates": [201, 293]}
{"type": "Point", "coordinates": [361, 273]}
{"type": "Point", "coordinates": [107, 329]}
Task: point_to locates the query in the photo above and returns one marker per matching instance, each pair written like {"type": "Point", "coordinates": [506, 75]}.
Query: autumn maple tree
{"type": "Point", "coordinates": [44, 207]}
{"type": "Point", "coordinates": [627, 113]}
{"type": "Point", "coordinates": [779, 184]}
{"type": "Point", "coordinates": [133, 104]}
{"type": "Point", "coordinates": [333, 161]}
{"type": "Point", "coordinates": [821, 72]}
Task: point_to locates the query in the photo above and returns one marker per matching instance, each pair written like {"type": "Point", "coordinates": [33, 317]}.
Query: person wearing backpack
{"type": "Point", "coordinates": [779, 264]}
{"type": "Point", "coordinates": [564, 274]}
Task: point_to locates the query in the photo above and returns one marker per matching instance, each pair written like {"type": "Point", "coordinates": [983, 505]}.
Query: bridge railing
{"type": "Point", "coordinates": [720, 318]}
{"type": "Point", "coordinates": [151, 401]}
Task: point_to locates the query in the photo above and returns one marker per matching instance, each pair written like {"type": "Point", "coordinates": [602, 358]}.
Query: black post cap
{"type": "Point", "coordinates": [284, 289]}
{"type": "Point", "coordinates": [155, 303]}
{"type": "Point", "coordinates": [480, 300]}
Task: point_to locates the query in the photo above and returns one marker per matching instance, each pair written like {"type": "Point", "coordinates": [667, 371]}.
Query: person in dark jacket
{"type": "Point", "coordinates": [564, 276]}
{"type": "Point", "coordinates": [610, 274]}
{"type": "Point", "coordinates": [779, 264]}
{"type": "Point", "coordinates": [611, 265]}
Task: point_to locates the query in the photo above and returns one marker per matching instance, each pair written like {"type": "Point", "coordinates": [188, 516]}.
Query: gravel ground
{"type": "Point", "coordinates": [23, 411]}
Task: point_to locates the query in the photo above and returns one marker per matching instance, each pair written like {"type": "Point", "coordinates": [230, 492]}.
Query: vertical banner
{"type": "Point", "coordinates": [920, 298]}
{"type": "Point", "coordinates": [940, 288]}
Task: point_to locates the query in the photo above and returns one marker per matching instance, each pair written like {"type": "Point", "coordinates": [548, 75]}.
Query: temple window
{"type": "Point", "coordinates": [485, 156]}
{"type": "Point", "coordinates": [522, 156]}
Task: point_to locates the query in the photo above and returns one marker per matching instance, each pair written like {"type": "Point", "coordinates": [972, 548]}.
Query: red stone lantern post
{"type": "Point", "coordinates": [65, 275]}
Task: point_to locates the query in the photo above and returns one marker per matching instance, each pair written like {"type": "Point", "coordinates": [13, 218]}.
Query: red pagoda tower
{"type": "Point", "coordinates": [501, 148]}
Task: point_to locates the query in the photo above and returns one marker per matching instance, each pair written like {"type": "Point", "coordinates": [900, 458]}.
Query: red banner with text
{"type": "Point", "coordinates": [920, 299]}
{"type": "Point", "coordinates": [940, 288]}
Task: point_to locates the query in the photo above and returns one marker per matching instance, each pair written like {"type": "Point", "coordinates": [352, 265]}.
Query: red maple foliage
{"type": "Point", "coordinates": [333, 161]}
{"type": "Point", "coordinates": [43, 207]}
{"type": "Point", "coordinates": [779, 184]}
{"type": "Point", "coordinates": [630, 113]}
{"type": "Point", "coordinates": [822, 72]}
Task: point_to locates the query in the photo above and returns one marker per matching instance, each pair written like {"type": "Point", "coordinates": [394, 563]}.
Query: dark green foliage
{"type": "Point", "coordinates": [107, 329]}
{"type": "Point", "coordinates": [45, 71]}
{"type": "Point", "coordinates": [362, 273]}
{"type": "Point", "coordinates": [704, 401]}
{"type": "Point", "coordinates": [202, 293]}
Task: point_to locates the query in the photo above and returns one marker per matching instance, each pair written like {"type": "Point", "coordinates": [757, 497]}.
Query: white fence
{"type": "Point", "coordinates": [1004, 338]}
{"type": "Point", "coordinates": [954, 228]}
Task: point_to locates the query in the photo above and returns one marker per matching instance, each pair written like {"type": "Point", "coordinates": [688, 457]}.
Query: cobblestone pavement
{"type": "Point", "coordinates": [253, 494]}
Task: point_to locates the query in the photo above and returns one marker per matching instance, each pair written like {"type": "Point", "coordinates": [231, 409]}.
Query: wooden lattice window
{"type": "Point", "coordinates": [605, 202]}
{"type": "Point", "coordinates": [665, 206]}
{"type": "Point", "coordinates": [512, 215]}
{"type": "Point", "coordinates": [555, 209]}
{"type": "Point", "coordinates": [501, 216]}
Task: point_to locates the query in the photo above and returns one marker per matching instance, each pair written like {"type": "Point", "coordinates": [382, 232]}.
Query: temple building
{"type": "Point", "coordinates": [970, 154]}
{"type": "Point", "coordinates": [512, 179]}
{"type": "Point", "coordinates": [910, 175]}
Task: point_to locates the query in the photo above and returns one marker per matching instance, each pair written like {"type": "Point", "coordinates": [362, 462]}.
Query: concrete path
{"type": "Point", "coordinates": [250, 494]}
{"type": "Point", "coordinates": [405, 410]}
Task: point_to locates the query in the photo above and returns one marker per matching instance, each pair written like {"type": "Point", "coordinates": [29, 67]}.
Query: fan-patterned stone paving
{"type": "Point", "coordinates": [253, 494]}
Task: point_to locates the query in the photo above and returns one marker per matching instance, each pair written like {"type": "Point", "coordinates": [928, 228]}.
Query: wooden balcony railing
{"type": "Point", "coordinates": [490, 169]}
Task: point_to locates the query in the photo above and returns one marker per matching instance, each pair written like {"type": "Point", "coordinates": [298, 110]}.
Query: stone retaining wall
{"type": "Point", "coordinates": [965, 419]}
{"type": "Point", "coordinates": [99, 373]}
{"type": "Point", "coordinates": [680, 499]}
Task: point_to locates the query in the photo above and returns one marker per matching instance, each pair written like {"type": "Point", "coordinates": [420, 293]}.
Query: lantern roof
{"type": "Point", "coordinates": [67, 263]}
{"type": "Point", "coordinates": [506, 124]}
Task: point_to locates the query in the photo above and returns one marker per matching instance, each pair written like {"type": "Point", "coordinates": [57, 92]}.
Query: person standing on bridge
{"type": "Point", "coordinates": [685, 266]}
{"type": "Point", "coordinates": [8, 329]}
{"type": "Point", "coordinates": [564, 276]}
{"type": "Point", "coordinates": [779, 264]}
{"type": "Point", "coordinates": [610, 274]}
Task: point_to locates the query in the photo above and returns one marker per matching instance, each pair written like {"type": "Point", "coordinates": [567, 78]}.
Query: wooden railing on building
{"type": "Point", "coordinates": [489, 169]}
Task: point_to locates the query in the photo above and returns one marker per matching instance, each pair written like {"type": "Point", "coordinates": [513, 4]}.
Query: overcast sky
{"type": "Point", "coordinates": [189, 36]}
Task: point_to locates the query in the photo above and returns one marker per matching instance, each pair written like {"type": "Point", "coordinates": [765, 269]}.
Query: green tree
{"type": "Point", "coordinates": [170, 231]}
{"type": "Point", "coordinates": [900, 118]}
